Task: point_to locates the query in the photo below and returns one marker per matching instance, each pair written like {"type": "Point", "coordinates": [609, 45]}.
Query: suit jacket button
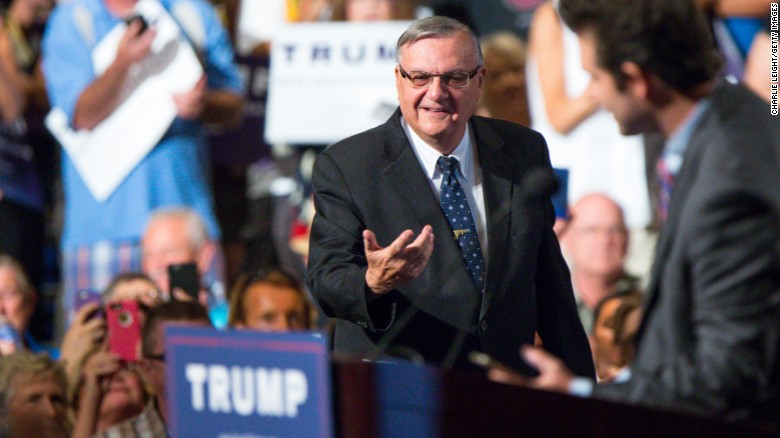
{"type": "Point", "coordinates": [483, 325]}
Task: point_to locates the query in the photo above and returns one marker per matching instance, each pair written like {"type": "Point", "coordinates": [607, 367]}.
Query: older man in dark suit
{"type": "Point", "coordinates": [710, 338]}
{"type": "Point", "coordinates": [493, 276]}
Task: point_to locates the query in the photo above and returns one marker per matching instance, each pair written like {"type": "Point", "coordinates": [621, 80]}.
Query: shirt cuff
{"type": "Point", "coordinates": [581, 387]}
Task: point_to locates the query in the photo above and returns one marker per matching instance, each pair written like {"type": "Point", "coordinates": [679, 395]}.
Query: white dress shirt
{"type": "Point", "coordinates": [469, 175]}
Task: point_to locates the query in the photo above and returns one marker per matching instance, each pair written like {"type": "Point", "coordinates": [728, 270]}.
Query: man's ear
{"type": "Point", "coordinates": [637, 80]}
{"type": "Point", "coordinates": [644, 85]}
{"type": "Point", "coordinates": [480, 77]}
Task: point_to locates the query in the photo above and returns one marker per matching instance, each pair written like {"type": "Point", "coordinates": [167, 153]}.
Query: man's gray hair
{"type": "Point", "coordinates": [197, 233]}
{"type": "Point", "coordinates": [25, 286]}
{"type": "Point", "coordinates": [436, 27]}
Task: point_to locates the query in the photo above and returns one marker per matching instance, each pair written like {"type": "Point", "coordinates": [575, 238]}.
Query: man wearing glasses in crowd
{"type": "Point", "coordinates": [493, 275]}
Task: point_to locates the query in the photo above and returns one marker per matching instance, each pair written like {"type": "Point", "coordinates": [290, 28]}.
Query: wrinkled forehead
{"type": "Point", "coordinates": [462, 45]}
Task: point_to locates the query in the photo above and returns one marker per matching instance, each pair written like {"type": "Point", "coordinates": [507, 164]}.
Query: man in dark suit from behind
{"type": "Point", "coordinates": [709, 341]}
{"type": "Point", "coordinates": [396, 294]}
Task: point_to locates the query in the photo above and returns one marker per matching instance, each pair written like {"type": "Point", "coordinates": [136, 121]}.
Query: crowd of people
{"type": "Point", "coordinates": [423, 239]}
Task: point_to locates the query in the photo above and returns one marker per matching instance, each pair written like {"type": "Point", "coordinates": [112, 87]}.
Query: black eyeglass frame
{"type": "Point", "coordinates": [445, 77]}
{"type": "Point", "coordinates": [156, 357]}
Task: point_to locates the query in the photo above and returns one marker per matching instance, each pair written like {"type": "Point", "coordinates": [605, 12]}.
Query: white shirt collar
{"type": "Point", "coordinates": [429, 156]}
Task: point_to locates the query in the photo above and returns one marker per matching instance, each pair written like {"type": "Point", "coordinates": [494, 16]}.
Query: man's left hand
{"type": "Point", "coordinates": [190, 104]}
{"type": "Point", "coordinates": [553, 374]}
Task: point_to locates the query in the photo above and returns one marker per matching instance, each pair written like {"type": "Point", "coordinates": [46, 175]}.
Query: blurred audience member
{"type": "Point", "coordinates": [33, 401]}
{"type": "Point", "coordinates": [106, 394]}
{"type": "Point", "coordinates": [372, 10]}
{"type": "Point", "coordinates": [273, 301]}
{"type": "Point", "coordinates": [583, 138]}
{"type": "Point", "coordinates": [17, 302]}
{"type": "Point", "coordinates": [154, 416]}
{"type": "Point", "coordinates": [102, 238]}
{"type": "Point", "coordinates": [179, 235]}
{"type": "Point", "coordinates": [487, 17]}
{"type": "Point", "coordinates": [88, 328]}
{"type": "Point", "coordinates": [741, 30]}
{"type": "Point", "coordinates": [504, 96]}
{"type": "Point", "coordinates": [175, 236]}
{"type": "Point", "coordinates": [22, 158]}
{"type": "Point", "coordinates": [135, 286]}
{"type": "Point", "coordinates": [234, 151]}
{"type": "Point", "coordinates": [616, 321]}
{"type": "Point", "coordinates": [596, 241]}
{"type": "Point", "coordinates": [758, 66]}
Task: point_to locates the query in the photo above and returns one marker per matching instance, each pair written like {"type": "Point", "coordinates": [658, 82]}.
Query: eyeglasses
{"type": "Point", "coordinates": [155, 357]}
{"type": "Point", "coordinates": [452, 79]}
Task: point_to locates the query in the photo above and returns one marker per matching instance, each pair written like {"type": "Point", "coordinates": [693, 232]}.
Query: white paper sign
{"type": "Point", "coordinates": [331, 80]}
{"type": "Point", "coordinates": [105, 155]}
{"type": "Point", "coordinates": [258, 22]}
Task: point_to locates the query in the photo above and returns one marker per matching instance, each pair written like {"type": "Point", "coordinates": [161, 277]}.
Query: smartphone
{"type": "Point", "coordinates": [185, 277]}
{"type": "Point", "coordinates": [124, 329]}
{"type": "Point", "coordinates": [86, 296]}
{"type": "Point", "coordinates": [140, 18]}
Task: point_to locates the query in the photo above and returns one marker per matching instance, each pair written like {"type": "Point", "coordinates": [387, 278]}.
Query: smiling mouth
{"type": "Point", "coordinates": [435, 110]}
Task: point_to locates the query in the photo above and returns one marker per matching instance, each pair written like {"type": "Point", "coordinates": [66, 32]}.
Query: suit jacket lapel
{"type": "Point", "coordinates": [497, 191]}
{"type": "Point", "coordinates": [404, 175]}
{"type": "Point", "coordinates": [682, 187]}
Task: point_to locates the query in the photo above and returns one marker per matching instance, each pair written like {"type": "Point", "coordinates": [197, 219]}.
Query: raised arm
{"type": "Point", "coordinates": [545, 44]}
{"type": "Point", "coordinates": [350, 273]}
{"type": "Point", "coordinates": [103, 95]}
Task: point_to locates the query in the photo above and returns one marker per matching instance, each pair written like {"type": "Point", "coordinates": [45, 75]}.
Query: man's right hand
{"type": "Point", "coordinates": [398, 263]}
{"type": "Point", "coordinates": [135, 45]}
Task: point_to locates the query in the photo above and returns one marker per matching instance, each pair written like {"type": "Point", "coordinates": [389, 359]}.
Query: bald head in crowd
{"type": "Point", "coordinates": [596, 242]}
{"type": "Point", "coordinates": [597, 238]}
{"type": "Point", "coordinates": [173, 236]}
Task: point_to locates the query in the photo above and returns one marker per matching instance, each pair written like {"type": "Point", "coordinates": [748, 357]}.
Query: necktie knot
{"type": "Point", "coordinates": [448, 165]}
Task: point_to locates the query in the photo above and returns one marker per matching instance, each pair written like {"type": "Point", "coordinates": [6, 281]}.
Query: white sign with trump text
{"type": "Point", "coordinates": [331, 80]}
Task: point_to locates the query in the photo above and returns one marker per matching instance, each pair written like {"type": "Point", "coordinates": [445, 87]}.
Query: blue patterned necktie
{"type": "Point", "coordinates": [666, 180]}
{"type": "Point", "coordinates": [456, 208]}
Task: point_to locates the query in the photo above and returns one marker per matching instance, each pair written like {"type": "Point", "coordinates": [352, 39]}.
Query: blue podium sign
{"type": "Point", "coordinates": [247, 384]}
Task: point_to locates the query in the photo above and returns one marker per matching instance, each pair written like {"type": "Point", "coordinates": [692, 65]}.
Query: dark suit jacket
{"type": "Point", "coordinates": [374, 181]}
{"type": "Point", "coordinates": [710, 338]}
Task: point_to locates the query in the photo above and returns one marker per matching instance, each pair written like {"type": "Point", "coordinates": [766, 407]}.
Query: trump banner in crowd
{"type": "Point", "coordinates": [247, 383]}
